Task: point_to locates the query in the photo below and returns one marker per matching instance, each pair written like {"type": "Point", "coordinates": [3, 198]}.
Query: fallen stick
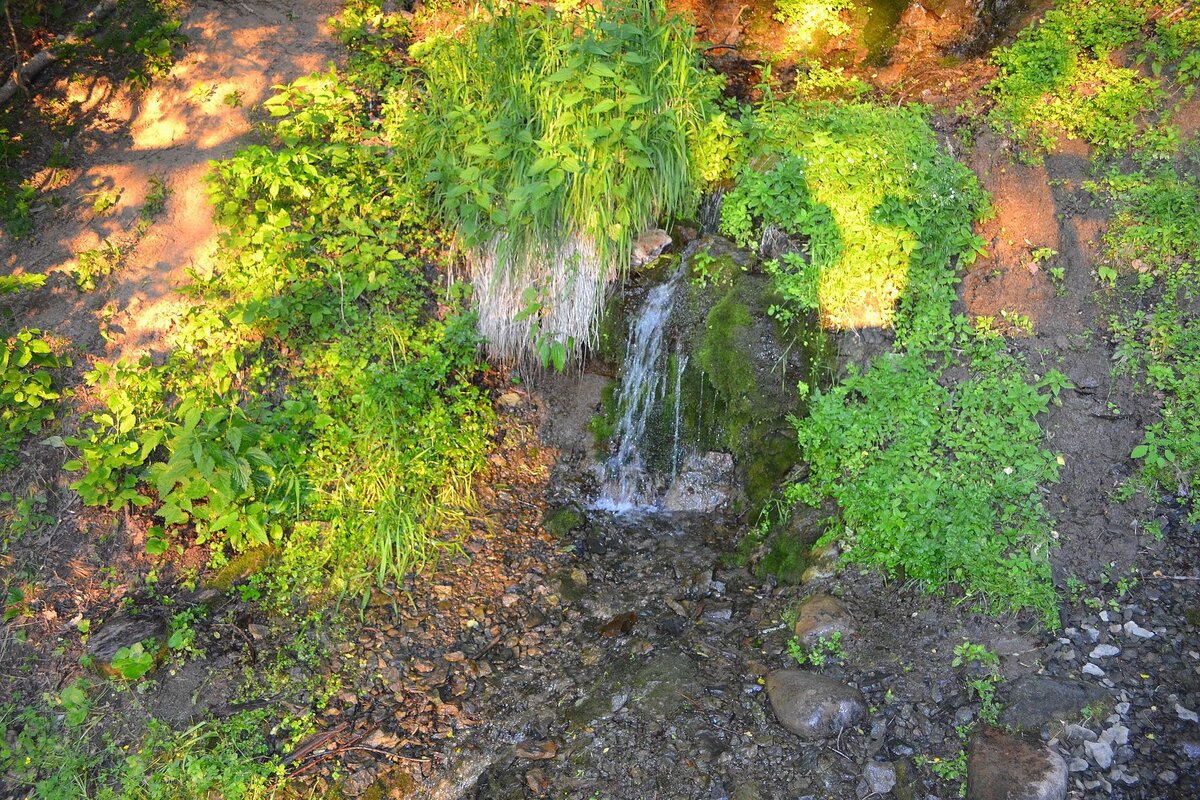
{"type": "Point", "coordinates": [36, 65]}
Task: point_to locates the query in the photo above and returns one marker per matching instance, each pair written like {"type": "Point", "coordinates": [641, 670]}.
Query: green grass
{"type": "Point", "coordinates": [551, 141]}
{"type": "Point", "coordinates": [937, 478]}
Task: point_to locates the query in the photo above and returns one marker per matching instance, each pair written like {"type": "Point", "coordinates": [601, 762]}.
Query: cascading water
{"type": "Point", "coordinates": [645, 383]}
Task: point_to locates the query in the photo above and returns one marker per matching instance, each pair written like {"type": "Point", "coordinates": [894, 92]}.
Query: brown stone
{"type": "Point", "coordinates": [820, 617]}
{"type": "Point", "coordinates": [1001, 766]}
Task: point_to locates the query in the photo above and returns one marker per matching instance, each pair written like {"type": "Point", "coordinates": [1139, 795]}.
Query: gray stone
{"type": "Point", "coordinates": [1186, 714]}
{"type": "Point", "coordinates": [1117, 734]}
{"type": "Point", "coordinates": [1104, 651]}
{"type": "Point", "coordinates": [1078, 733]}
{"type": "Point", "coordinates": [1133, 629]}
{"type": "Point", "coordinates": [705, 483]}
{"type": "Point", "coordinates": [1077, 765]}
{"type": "Point", "coordinates": [1101, 753]}
{"type": "Point", "coordinates": [1001, 766]}
{"type": "Point", "coordinates": [813, 706]}
{"type": "Point", "coordinates": [880, 776]}
{"type": "Point", "coordinates": [1034, 701]}
{"type": "Point", "coordinates": [820, 617]}
{"type": "Point", "coordinates": [1091, 669]}
{"type": "Point", "coordinates": [124, 629]}
{"type": "Point", "coordinates": [747, 791]}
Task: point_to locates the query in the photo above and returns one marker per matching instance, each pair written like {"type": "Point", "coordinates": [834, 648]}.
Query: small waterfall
{"type": "Point", "coordinates": [644, 384]}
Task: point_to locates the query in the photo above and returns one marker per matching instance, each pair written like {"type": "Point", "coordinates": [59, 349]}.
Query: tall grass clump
{"type": "Point", "coordinates": [551, 140]}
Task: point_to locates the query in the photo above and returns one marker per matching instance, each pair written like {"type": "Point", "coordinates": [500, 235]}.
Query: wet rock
{"type": "Point", "coordinates": [537, 751]}
{"type": "Point", "coordinates": [124, 629]}
{"type": "Point", "coordinates": [1007, 767]}
{"type": "Point", "coordinates": [705, 484]}
{"type": "Point", "coordinates": [824, 563]}
{"type": "Point", "coordinates": [649, 246]}
{"type": "Point", "coordinates": [1034, 701]}
{"type": "Point", "coordinates": [820, 617]}
{"type": "Point", "coordinates": [747, 791]}
{"type": "Point", "coordinates": [880, 777]}
{"type": "Point", "coordinates": [813, 706]}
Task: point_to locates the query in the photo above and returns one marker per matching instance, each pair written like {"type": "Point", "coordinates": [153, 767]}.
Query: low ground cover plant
{"type": "Point", "coordinates": [936, 480]}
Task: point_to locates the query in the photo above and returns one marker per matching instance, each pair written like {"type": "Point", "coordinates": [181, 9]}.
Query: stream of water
{"type": "Point", "coordinates": [645, 382]}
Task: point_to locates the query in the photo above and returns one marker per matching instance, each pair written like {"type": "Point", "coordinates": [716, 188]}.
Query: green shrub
{"type": "Point", "coordinates": [937, 480]}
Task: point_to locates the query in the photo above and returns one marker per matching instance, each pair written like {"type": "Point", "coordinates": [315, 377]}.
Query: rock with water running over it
{"type": "Point", "coordinates": [1001, 766]}
{"type": "Point", "coordinates": [705, 483]}
{"type": "Point", "coordinates": [822, 617]}
{"type": "Point", "coordinates": [813, 706]}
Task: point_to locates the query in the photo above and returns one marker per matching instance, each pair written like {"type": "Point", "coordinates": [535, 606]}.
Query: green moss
{"type": "Point", "coordinates": [604, 425]}
{"type": "Point", "coordinates": [562, 521]}
{"type": "Point", "coordinates": [786, 559]}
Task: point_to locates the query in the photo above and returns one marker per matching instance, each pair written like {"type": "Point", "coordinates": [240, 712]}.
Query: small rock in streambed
{"type": "Point", "coordinates": [1001, 766]}
{"type": "Point", "coordinates": [1133, 629]}
{"type": "Point", "coordinates": [1100, 753]}
{"type": "Point", "coordinates": [880, 777]}
{"type": "Point", "coordinates": [820, 617]}
{"type": "Point", "coordinates": [813, 706]}
{"type": "Point", "coordinates": [537, 751]}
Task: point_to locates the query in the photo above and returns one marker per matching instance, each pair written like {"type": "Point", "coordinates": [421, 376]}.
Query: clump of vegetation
{"type": "Point", "coordinates": [805, 19]}
{"type": "Point", "coordinates": [28, 395]}
{"type": "Point", "coordinates": [1150, 249]}
{"type": "Point", "coordinates": [939, 484]}
{"type": "Point", "coordinates": [869, 195]}
{"type": "Point", "coordinates": [1062, 76]}
{"type": "Point", "coordinates": [551, 140]}
{"type": "Point", "coordinates": [371, 449]}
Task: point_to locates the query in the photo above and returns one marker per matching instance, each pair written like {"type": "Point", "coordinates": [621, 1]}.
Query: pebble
{"type": "Point", "coordinates": [880, 777]}
{"type": "Point", "coordinates": [1101, 753]}
{"type": "Point", "coordinates": [1133, 629]}
{"type": "Point", "coordinates": [1091, 669]}
{"type": "Point", "coordinates": [1186, 714]}
{"type": "Point", "coordinates": [1105, 651]}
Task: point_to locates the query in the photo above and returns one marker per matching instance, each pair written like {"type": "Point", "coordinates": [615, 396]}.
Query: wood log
{"type": "Point", "coordinates": [36, 65]}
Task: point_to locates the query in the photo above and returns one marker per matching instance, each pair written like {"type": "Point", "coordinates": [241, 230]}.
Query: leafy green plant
{"type": "Point", "coordinates": [91, 265]}
{"type": "Point", "coordinates": [826, 650]}
{"type": "Point", "coordinates": [804, 19]}
{"type": "Point", "coordinates": [27, 392]}
{"type": "Point", "coordinates": [133, 662]}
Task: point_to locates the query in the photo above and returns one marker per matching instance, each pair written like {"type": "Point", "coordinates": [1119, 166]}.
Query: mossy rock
{"type": "Point", "coordinates": [562, 521]}
{"type": "Point", "coordinates": [240, 567]}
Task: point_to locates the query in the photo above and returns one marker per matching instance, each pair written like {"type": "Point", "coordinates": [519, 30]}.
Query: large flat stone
{"type": "Point", "coordinates": [1002, 766]}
